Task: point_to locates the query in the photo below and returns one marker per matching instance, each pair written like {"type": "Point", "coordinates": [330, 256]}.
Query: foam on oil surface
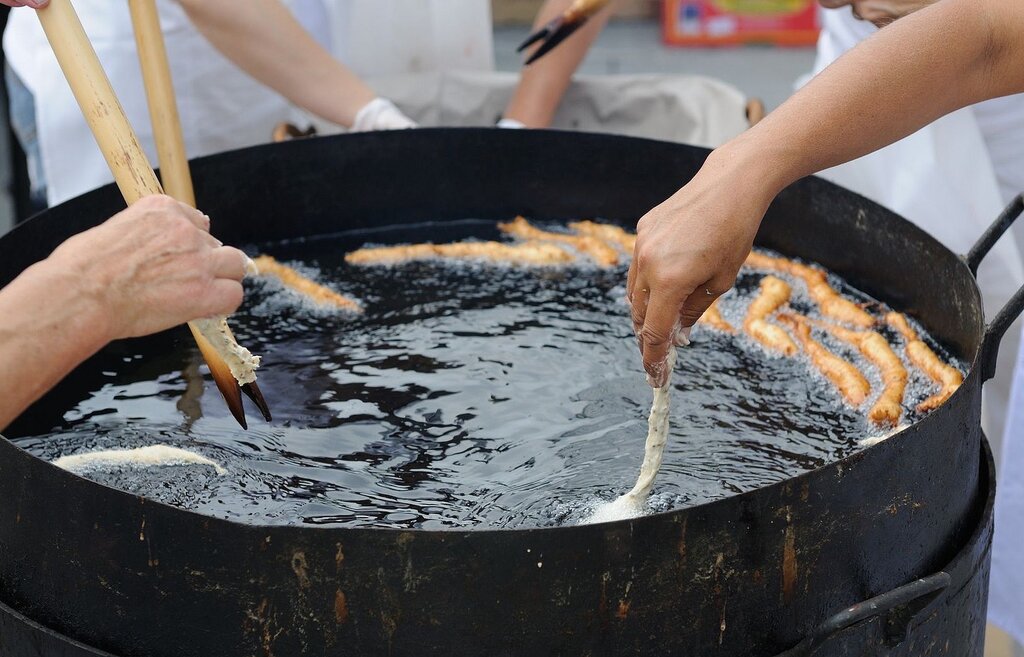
{"type": "Point", "coordinates": [465, 396]}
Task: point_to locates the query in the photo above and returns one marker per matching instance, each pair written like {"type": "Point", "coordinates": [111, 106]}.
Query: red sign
{"type": "Point", "coordinates": [727, 22]}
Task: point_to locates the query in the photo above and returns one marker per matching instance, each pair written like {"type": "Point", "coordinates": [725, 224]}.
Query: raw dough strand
{"type": "Point", "coordinates": [631, 504]}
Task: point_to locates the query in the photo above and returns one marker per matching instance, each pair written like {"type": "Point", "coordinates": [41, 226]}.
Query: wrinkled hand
{"type": "Point", "coordinates": [35, 4]}
{"type": "Point", "coordinates": [381, 114]}
{"type": "Point", "coordinates": [879, 12]}
{"type": "Point", "coordinates": [154, 266]}
{"type": "Point", "coordinates": [687, 254]}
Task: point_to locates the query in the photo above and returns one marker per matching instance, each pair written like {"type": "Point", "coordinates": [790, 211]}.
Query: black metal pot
{"type": "Point", "coordinates": [750, 575]}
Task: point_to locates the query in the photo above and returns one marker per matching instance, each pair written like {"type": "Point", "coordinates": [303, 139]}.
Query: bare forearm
{"type": "Point", "coordinates": [263, 38]}
{"type": "Point", "coordinates": [542, 84]}
{"type": "Point", "coordinates": [47, 327]}
{"type": "Point", "coordinates": [924, 66]}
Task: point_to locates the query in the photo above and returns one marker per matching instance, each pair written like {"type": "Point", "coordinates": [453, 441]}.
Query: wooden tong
{"type": "Point", "coordinates": [558, 29]}
{"type": "Point", "coordinates": [127, 161]}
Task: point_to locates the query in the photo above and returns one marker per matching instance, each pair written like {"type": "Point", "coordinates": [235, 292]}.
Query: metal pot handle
{"type": "Point", "coordinates": [1013, 308]}
{"type": "Point", "coordinates": [898, 607]}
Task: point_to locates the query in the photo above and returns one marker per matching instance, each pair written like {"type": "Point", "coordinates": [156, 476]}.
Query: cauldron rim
{"type": "Point", "coordinates": [897, 440]}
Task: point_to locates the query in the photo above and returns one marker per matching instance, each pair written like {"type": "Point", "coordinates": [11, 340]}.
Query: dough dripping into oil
{"type": "Point", "coordinates": [631, 505]}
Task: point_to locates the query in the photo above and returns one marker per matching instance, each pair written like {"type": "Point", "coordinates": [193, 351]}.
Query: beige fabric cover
{"type": "Point", "coordinates": [690, 109]}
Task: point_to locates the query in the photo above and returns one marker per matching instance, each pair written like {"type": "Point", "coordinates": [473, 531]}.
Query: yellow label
{"type": "Point", "coordinates": [761, 7]}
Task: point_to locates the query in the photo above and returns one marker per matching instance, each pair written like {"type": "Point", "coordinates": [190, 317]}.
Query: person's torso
{"type": "Point", "coordinates": [221, 108]}
{"type": "Point", "coordinates": [393, 37]}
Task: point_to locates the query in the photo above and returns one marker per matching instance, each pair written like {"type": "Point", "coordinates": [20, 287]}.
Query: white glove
{"type": "Point", "coordinates": [380, 114]}
{"type": "Point", "coordinates": [511, 123]}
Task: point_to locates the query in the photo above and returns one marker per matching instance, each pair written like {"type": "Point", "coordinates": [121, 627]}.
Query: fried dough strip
{"type": "Point", "coordinates": [831, 303]}
{"type": "Point", "coordinates": [597, 249]}
{"type": "Point", "coordinates": [888, 408]}
{"type": "Point", "coordinates": [774, 293]}
{"type": "Point", "coordinates": [712, 318]}
{"type": "Point", "coordinates": [624, 239]}
{"type": "Point", "coordinates": [323, 296]}
{"type": "Point", "coordinates": [758, 260]}
{"type": "Point", "coordinates": [948, 378]}
{"type": "Point", "coordinates": [530, 253]}
{"type": "Point", "coordinates": [843, 374]}
{"type": "Point", "coordinates": [899, 322]}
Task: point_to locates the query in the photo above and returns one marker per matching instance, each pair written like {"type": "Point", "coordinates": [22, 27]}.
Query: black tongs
{"type": "Point", "coordinates": [558, 29]}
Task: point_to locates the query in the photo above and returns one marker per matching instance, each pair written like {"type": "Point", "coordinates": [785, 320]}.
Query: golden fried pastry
{"type": "Point", "coordinates": [843, 374]}
{"type": "Point", "coordinates": [310, 289]}
{"type": "Point", "coordinates": [948, 378]}
{"type": "Point", "coordinates": [712, 318]}
{"type": "Point", "coordinates": [899, 322]}
{"type": "Point", "coordinates": [595, 248]}
{"type": "Point", "coordinates": [888, 408]}
{"type": "Point", "coordinates": [831, 303]}
{"type": "Point", "coordinates": [771, 336]}
{"type": "Point", "coordinates": [533, 253]}
{"type": "Point", "coordinates": [607, 232]}
{"type": "Point", "coordinates": [758, 260]}
{"type": "Point", "coordinates": [774, 293]}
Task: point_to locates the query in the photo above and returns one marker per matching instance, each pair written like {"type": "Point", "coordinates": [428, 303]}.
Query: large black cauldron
{"type": "Point", "coordinates": [751, 575]}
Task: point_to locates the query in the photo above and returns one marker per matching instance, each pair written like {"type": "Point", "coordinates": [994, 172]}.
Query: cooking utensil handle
{"type": "Point", "coordinates": [989, 238]}
{"type": "Point", "coordinates": [163, 106]}
{"type": "Point", "coordinates": [95, 96]}
{"type": "Point", "coordinates": [114, 135]}
{"type": "Point", "coordinates": [898, 607]}
{"type": "Point", "coordinates": [1013, 308]}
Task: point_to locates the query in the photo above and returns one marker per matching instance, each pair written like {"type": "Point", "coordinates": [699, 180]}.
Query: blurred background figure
{"type": "Point", "coordinates": [242, 69]}
{"type": "Point", "coordinates": [235, 68]}
{"type": "Point", "coordinates": [442, 72]}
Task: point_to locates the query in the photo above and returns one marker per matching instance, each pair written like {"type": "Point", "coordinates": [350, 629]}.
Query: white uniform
{"type": "Point", "coordinates": [952, 178]}
{"type": "Point", "coordinates": [221, 107]}
{"type": "Point", "coordinates": [378, 38]}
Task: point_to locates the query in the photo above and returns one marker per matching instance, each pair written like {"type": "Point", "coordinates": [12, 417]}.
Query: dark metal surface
{"type": "Point", "coordinates": [748, 575]}
{"type": "Point", "coordinates": [998, 228]}
{"type": "Point", "coordinates": [21, 636]}
{"type": "Point", "coordinates": [1012, 310]}
{"type": "Point", "coordinates": [898, 608]}
{"type": "Point", "coordinates": [953, 604]}
{"type": "Point", "coordinates": [959, 610]}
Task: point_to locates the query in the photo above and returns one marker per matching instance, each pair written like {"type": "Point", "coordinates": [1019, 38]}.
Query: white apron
{"type": "Point", "coordinates": [378, 38]}
{"type": "Point", "coordinates": [221, 107]}
{"type": "Point", "coordinates": [952, 178]}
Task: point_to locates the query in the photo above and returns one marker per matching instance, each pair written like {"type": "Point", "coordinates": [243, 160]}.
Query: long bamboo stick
{"type": "Point", "coordinates": [163, 107]}
{"type": "Point", "coordinates": [120, 147]}
{"type": "Point", "coordinates": [174, 169]}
